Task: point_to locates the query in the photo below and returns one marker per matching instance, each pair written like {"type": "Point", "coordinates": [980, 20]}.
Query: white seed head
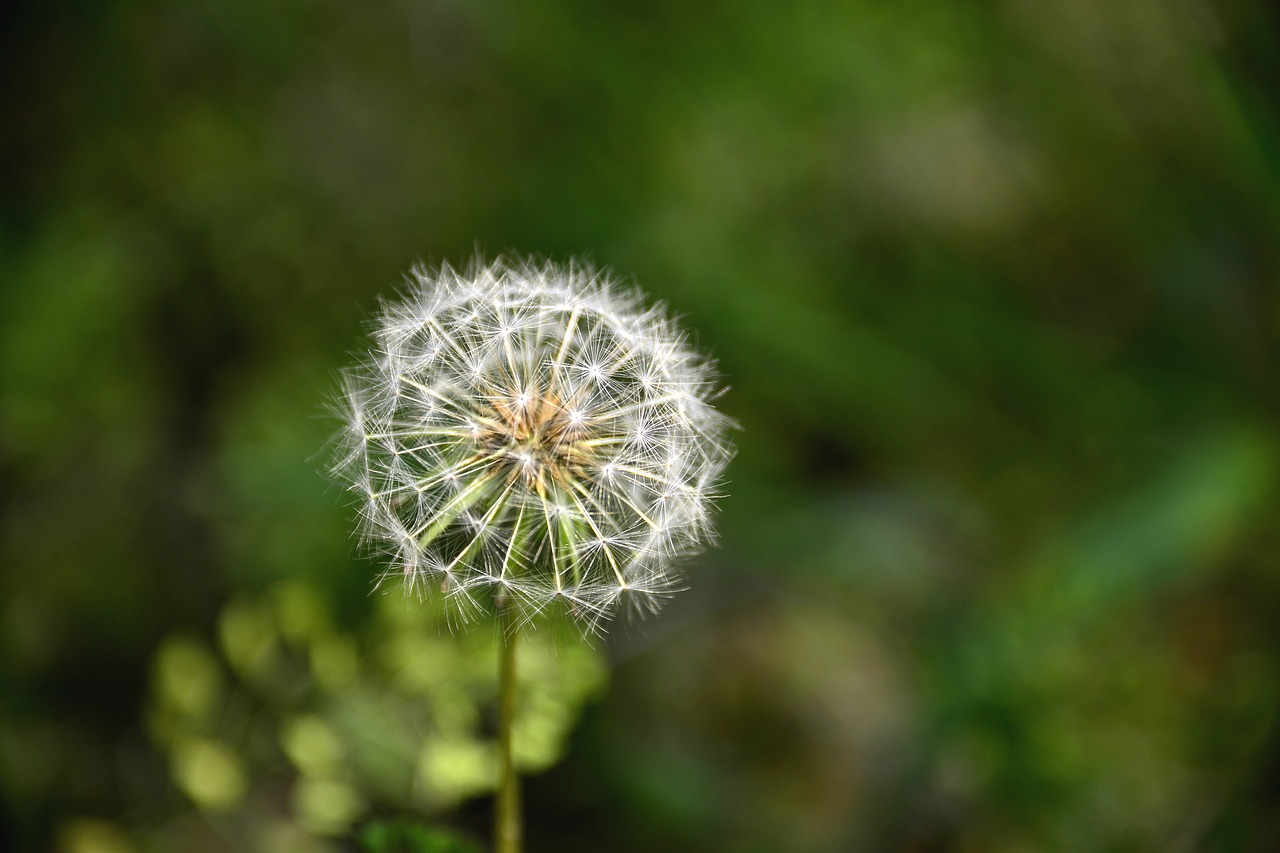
{"type": "Point", "coordinates": [533, 435]}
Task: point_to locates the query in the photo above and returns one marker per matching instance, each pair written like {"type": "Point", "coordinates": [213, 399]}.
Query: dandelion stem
{"type": "Point", "coordinates": [507, 827]}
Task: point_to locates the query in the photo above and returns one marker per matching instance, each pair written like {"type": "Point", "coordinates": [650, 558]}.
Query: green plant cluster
{"type": "Point", "coordinates": [286, 729]}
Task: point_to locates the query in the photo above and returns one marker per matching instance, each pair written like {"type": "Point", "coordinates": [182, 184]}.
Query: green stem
{"type": "Point", "coordinates": [507, 830]}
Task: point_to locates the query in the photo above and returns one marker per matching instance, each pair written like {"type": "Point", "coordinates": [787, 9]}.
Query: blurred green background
{"type": "Point", "coordinates": [996, 289]}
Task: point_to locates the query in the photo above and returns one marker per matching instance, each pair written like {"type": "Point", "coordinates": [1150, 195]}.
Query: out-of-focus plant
{"type": "Point", "coordinates": [284, 707]}
{"type": "Point", "coordinates": [531, 441]}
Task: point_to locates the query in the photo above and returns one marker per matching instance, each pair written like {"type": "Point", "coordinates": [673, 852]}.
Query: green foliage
{"type": "Point", "coordinates": [396, 715]}
{"type": "Point", "coordinates": [406, 837]}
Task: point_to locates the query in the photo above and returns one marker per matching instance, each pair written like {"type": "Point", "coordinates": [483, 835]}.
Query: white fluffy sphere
{"type": "Point", "coordinates": [532, 434]}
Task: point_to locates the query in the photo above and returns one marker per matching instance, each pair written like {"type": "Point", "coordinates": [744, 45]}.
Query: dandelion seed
{"type": "Point", "coordinates": [532, 436]}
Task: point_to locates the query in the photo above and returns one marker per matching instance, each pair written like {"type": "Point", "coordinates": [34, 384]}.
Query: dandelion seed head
{"type": "Point", "coordinates": [532, 434]}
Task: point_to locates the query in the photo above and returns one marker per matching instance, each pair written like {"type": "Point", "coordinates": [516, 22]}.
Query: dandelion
{"type": "Point", "coordinates": [533, 437]}
{"type": "Point", "coordinates": [530, 440]}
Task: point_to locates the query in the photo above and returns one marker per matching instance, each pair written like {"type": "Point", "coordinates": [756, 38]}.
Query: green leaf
{"type": "Point", "coordinates": [403, 836]}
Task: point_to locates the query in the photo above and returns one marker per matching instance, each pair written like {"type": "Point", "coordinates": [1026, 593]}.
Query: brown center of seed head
{"type": "Point", "coordinates": [539, 437]}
